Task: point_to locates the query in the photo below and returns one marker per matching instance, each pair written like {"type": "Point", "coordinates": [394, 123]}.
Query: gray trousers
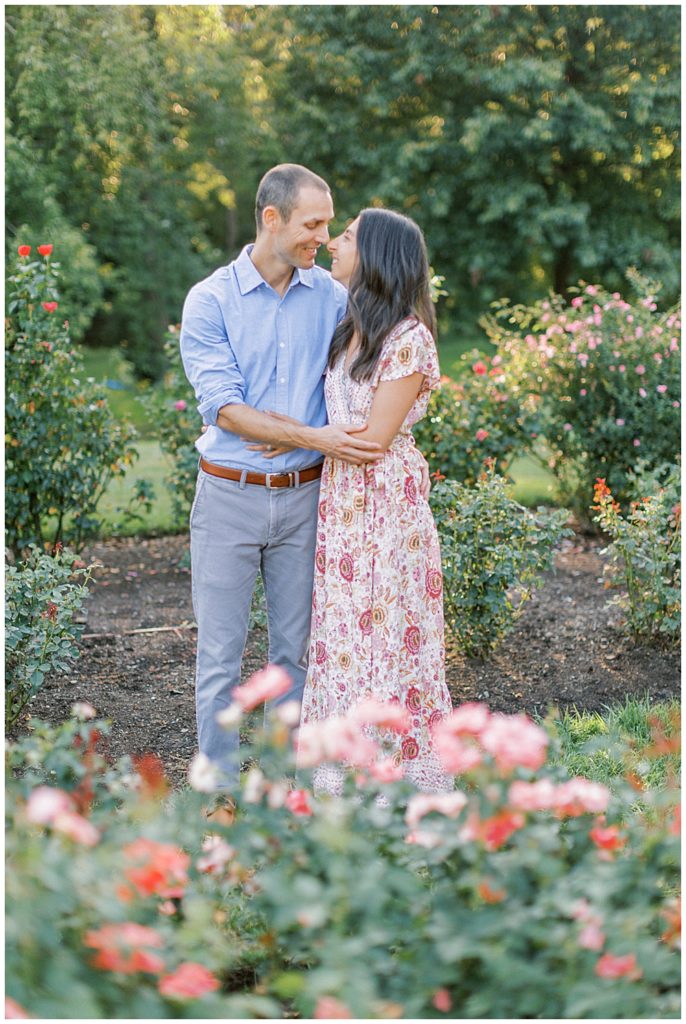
{"type": "Point", "coordinates": [237, 530]}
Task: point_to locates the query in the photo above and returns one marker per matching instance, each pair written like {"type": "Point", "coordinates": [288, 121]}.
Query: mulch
{"type": "Point", "coordinates": [136, 664]}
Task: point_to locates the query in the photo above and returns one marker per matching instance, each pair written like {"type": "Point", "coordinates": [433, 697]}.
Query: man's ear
{"type": "Point", "coordinates": [271, 218]}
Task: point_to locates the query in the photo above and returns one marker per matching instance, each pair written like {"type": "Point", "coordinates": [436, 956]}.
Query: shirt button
{"type": "Point", "coordinates": [282, 381]}
{"type": "Point", "coordinates": [282, 344]}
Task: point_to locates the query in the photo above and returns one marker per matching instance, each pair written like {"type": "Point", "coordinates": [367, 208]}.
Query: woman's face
{"type": "Point", "coordinates": [344, 252]}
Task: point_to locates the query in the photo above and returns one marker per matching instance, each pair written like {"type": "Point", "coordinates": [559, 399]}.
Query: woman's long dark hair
{"type": "Point", "coordinates": [391, 281]}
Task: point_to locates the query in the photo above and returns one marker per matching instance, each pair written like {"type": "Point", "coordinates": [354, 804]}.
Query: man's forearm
{"type": "Point", "coordinates": [245, 421]}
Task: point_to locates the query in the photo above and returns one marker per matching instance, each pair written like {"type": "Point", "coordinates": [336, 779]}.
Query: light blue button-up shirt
{"type": "Point", "coordinates": [243, 343]}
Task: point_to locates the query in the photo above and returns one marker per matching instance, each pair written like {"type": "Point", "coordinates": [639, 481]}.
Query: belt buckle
{"type": "Point", "coordinates": [268, 480]}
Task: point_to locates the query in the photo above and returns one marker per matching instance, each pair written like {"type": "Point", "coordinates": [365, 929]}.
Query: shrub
{"type": "Point", "coordinates": [42, 596]}
{"type": "Point", "coordinates": [605, 374]}
{"type": "Point", "coordinates": [646, 557]}
{"type": "Point", "coordinates": [525, 893]}
{"type": "Point", "coordinates": [62, 444]}
{"type": "Point", "coordinates": [493, 552]}
{"type": "Point", "coordinates": [479, 417]}
{"type": "Point", "coordinates": [178, 424]}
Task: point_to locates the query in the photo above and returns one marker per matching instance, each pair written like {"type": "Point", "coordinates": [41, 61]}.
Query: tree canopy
{"type": "Point", "coordinates": [534, 145]}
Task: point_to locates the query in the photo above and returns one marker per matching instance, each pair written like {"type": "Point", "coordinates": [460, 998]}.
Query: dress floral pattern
{"type": "Point", "coordinates": [377, 610]}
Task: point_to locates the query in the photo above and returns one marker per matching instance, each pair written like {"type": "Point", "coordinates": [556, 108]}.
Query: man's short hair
{"type": "Point", "coordinates": [280, 188]}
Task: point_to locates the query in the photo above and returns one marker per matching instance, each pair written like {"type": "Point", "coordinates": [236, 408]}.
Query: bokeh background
{"type": "Point", "coordinates": [535, 145]}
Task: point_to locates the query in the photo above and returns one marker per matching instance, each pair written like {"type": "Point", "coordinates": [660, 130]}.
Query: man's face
{"type": "Point", "coordinates": [297, 241]}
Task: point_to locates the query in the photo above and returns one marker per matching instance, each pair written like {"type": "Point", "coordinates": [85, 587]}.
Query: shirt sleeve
{"type": "Point", "coordinates": [409, 348]}
{"type": "Point", "coordinates": [207, 356]}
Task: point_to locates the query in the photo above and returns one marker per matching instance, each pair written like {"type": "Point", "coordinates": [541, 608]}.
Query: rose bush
{"type": "Point", "coordinates": [483, 415]}
{"type": "Point", "coordinates": [178, 424]}
{"type": "Point", "coordinates": [62, 444]}
{"type": "Point", "coordinates": [43, 593]}
{"type": "Point", "coordinates": [493, 553]}
{"type": "Point", "coordinates": [605, 376]}
{"type": "Point", "coordinates": [523, 893]}
{"type": "Point", "coordinates": [645, 552]}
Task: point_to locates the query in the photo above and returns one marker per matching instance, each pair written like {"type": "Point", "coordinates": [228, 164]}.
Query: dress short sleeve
{"type": "Point", "coordinates": [409, 348]}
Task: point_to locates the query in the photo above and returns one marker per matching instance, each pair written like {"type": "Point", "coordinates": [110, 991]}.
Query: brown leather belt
{"type": "Point", "coordinates": [294, 479]}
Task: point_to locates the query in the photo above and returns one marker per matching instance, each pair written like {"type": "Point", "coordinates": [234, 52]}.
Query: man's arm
{"type": "Point", "coordinates": [336, 441]}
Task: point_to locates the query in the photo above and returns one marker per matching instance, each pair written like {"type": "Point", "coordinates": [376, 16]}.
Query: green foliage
{"type": "Point", "coordinates": [42, 596]}
{"type": "Point", "coordinates": [605, 375]}
{"type": "Point", "coordinates": [62, 444]}
{"type": "Point", "coordinates": [480, 416]}
{"type": "Point", "coordinates": [645, 550]}
{"type": "Point", "coordinates": [178, 424]}
{"type": "Point", "coordinates": [493, 552]}
{"type": "Point", "coordinates": [323, 908]}
{"type": "Point", "coordinates": [534, 144]}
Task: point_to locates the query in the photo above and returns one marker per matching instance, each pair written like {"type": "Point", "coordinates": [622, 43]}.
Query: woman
{"type": "Point", "coordinates": [377, 613]}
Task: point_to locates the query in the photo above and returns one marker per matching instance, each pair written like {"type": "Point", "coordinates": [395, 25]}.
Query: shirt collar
{"type": "Point", "coordinates": [250, 278]}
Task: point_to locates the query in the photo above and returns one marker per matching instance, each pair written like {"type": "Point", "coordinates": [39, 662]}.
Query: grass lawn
{"type": "Point", "coordinates": [593, 745]}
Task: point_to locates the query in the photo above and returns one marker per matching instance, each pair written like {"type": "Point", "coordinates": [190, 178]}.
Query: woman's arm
{"type": "Point", "coordinates": [392, 401]}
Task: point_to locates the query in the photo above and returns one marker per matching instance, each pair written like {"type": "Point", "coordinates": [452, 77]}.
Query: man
{"type": "Point", "coordinates": [255, 338]}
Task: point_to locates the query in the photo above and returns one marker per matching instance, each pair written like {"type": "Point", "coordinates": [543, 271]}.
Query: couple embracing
{"type": "Point", "coordinates": [309, 384]}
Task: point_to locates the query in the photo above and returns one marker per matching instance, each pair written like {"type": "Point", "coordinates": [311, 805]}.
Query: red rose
{"type": "Point", "coordinates": [480, 368]}
{"type": "Point", "coordinates": [45, 250]}
{"type": "Point", "coordinates": [24, 250]}
{"type": "Point", "coordinates": [49, 307]}
{"type": "Point", "coordinates": [298, 802]}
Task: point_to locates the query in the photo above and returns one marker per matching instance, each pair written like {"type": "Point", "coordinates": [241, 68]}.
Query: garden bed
{"type": "Point", "coordinates": [138, 650]}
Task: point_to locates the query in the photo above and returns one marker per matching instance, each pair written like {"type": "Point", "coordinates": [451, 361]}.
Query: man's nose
{"type": "Point", "coordinates": [322, 235]}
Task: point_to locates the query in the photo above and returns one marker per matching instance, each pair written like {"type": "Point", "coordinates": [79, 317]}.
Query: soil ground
{"type": "Point", "coordinates": [138, 650]}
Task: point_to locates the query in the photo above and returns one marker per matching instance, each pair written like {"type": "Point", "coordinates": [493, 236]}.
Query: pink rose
{"type": "Point", "coordinates": [386, 770]}
{"type": "Point", "coordinates": [640, 369]}
{"type": "Point", "coordinates": [514, 740]}
{"type": "Point", "coordinates": [457, 756]}
{"type": "Point", "coordinates": [661, 388]}
{"type": "Point", "coordinates": [76, 827]}
{"type": "Point", "coordinates": [449, 804]}
{"type": "Point", "coordinates": [267, 684]}
{"type": "Point", "coordinates": [637, 443]}
{"type": "Point", "coordinates": [470, 718]}
{"type": "Point", "coordinates": [384, 715]}
{"type": "Point", "coordinates": [180, 406]}
{"type": "Point", "coordinates": [531, 796]}
{"type": "Point", "coordinates": [188, 981]}
{"type": "Point", "coordinates": [581, 796]}
{"type": "Point", "coordinates": [13, 1011]}
{"type": "Point", "coordinates": [298, 802]}
{"type": "Point", "coordinates": [45, 803]}
{"type": "Point", "coordinates": [591, 937]}
{"type": "Point", "coordinates": [642, 392]}
{"type": "Point", "coordinates": [610, 966]}
{"type": "Point", "coordinates": [481, 434]}
{"type": "Point", "coordinates": [329, 1008]}
{"type": "Point", "coordinates": [442, 1001]}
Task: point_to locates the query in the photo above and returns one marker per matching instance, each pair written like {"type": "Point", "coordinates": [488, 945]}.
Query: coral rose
{"type": "Point", "coordinates": [188, 981]}
{"type": "Point", "coordinates": [298, 802]}
{"type": "Point", "coordinates": [610, 966]}
{"type": "Point", "coordinates": [267, 684]}
{"type": "Point", "coordinates": [514, 741]}
{"type": "Point", "coordinates": [330, 1008]}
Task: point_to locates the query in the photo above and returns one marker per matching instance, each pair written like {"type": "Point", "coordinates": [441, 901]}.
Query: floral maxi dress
{"type": "Point", "coordinates": [377, 609]}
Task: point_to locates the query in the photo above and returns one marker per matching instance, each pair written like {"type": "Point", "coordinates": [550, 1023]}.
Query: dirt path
{"type": "Point", "coordinates": [566, 650]}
